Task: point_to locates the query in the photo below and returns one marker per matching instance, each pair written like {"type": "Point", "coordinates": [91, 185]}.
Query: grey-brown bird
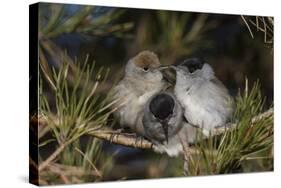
{"type": "Point", "coordinates": [142, 80]}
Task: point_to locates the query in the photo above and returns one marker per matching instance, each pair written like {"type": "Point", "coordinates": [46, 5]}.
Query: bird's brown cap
{"type": "Point", "coordinates": [146, 59]}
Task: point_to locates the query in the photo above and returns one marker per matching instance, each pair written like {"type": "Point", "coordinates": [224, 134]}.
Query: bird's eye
{"type": "Point", "coordinates": [145, 69]}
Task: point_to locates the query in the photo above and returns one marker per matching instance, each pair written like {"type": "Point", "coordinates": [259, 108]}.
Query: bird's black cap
{"type": "Point", "coordinates": [192, 64]}
{"type": "Point", "coordinates": [162, 105]}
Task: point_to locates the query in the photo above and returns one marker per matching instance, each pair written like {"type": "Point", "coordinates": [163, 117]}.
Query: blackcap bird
{"type": "Point", "coordinates": [164, 125]}
{"type": "Point", "coordinates": [142, 80]}
{"type": "Point", "coordinates": [205, 100]}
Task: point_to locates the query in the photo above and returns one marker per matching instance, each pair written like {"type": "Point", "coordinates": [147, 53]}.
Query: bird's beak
{"type": "Point", "coordinates": [165, 128]}
{"type": "Point", "coordinates": [167, 75]}
{"type": "Point", "coordinates": [163, 67]}
{"type": "Point", "coordinates": [174, 67]}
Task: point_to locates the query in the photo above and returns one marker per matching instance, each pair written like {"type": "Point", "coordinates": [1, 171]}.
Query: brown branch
{"type": "Point", "coordinates": [66, 173]}
{"type": "Point", "coordinates": [221, 130]}
{"type": "Point", "coordinates": [264, 115]}
{"type": "Point", "coordinates": [69, 170]}
{"type": "Point", "coordinates": [122, 139]}
{"type": "Point", "coordinates": [129, 141]}
{"type": "Point", "coordinates": [125, 140]}
{"type": "Point", "coordinates": [133, 141]}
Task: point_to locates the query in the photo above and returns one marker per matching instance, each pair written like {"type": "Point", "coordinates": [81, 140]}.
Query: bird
{"type": "Point", "coordinates": [142, 79]}
{"type": "Point", "coordinates": [164, 124]}
{"type": "Point", "coordinates": [205, 100]}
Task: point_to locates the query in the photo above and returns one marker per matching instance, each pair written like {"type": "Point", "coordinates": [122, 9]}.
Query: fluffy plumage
{"type": "Point", "coordinates": [164, 125]}
{"type": "Point", "coordinates": [142, 80]}
{"type": "Point", "coordinates": [205, 99]}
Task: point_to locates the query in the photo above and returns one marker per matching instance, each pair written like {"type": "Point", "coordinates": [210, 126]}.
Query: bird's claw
{"type": "Point", "coordinates": [139, 139]}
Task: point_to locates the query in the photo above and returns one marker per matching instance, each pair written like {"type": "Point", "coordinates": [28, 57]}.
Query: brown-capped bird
{"type": "Point", "coordinates": [142, 80]}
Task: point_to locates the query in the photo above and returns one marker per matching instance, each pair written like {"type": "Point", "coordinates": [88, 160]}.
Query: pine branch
{"type": "Point", "coordinates": [132, 141]}
{"type": "Point", "coordinates": [264, 115]}
{"type": "Point", "coordinates": [122, 139]}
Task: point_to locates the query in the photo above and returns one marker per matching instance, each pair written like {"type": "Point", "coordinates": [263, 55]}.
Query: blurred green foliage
{"type": "Point", "coordinates": [173, 34]}
{"type": "Point", "coordinates": [54, 21]}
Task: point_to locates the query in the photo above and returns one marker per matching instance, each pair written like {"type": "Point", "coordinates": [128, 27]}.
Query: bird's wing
{"type": "Point", "coordinates": [186, 121]}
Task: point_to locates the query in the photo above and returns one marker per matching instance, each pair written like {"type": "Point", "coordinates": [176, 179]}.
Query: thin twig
{"type": "Point", "coordinates": [243, 18]}
{"type": "Point", "coordinates": [59, 172]}
{"type": "Point", "coordinates": [44, 164]}
{"type": "Point", "coordinates": [186, 157]}
{"type": "Point", "coordinates": [89, 161]}
{"type": "Point", "coordinates": [68, 170]}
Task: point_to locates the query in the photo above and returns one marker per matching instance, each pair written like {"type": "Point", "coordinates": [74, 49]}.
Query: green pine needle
{"type": "Point", "coordinates": [229, 152]}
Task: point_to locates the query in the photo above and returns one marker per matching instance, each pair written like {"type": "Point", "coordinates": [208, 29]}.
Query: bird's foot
{"type": "Point", "coordinates": [118, 132]}
{"type": "Point", "coordinates": [139, 140]}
